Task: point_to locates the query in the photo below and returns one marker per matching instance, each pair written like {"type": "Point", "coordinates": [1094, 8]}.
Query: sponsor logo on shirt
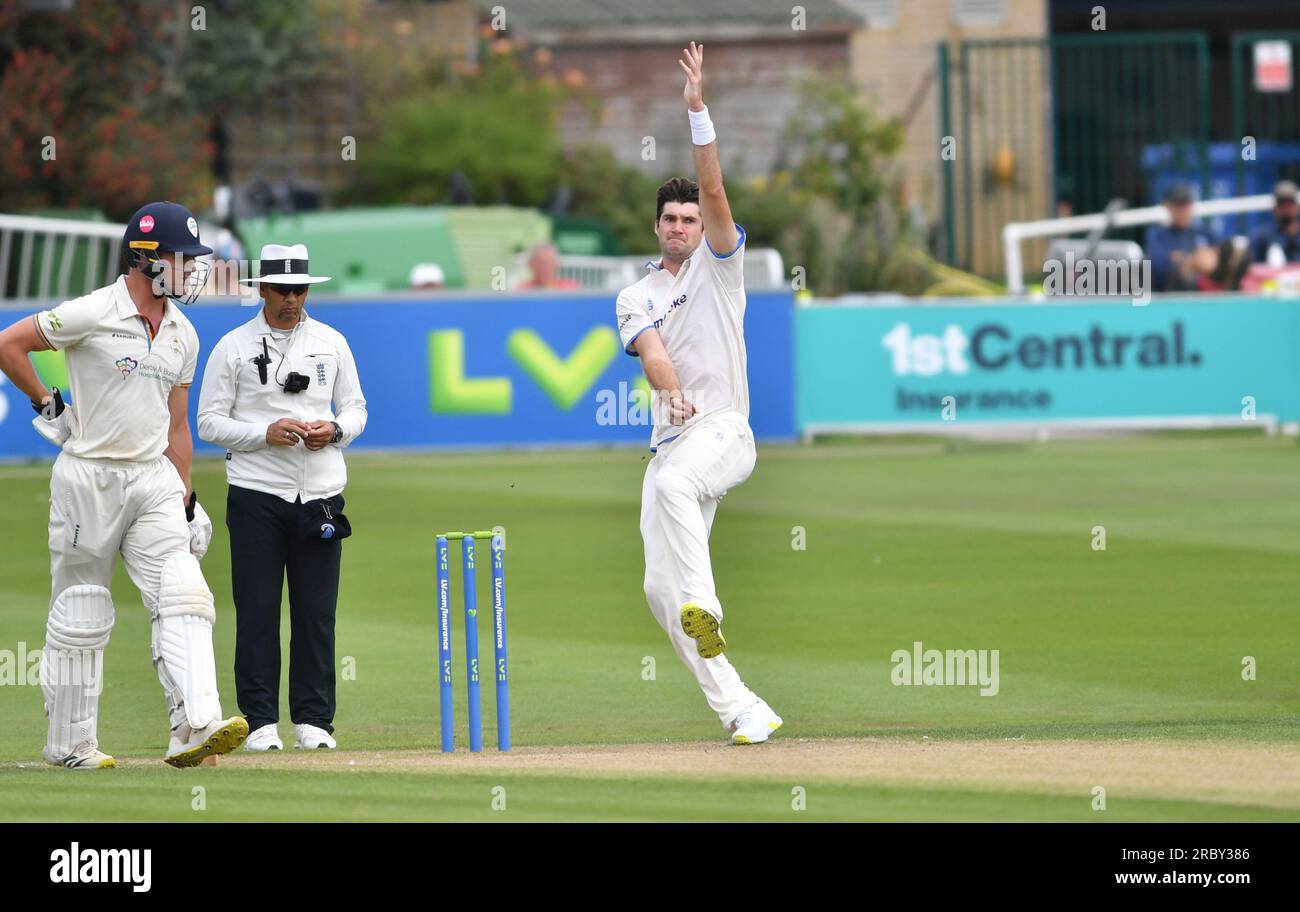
{"type": "Point", "coordinates": [671, 307]}
{"type": "Point", "coordinates": [53, 319]}
{"type": "Point", "coordinates": [126, 365]}
{"type": "Point", "coordinates": [122, 335]}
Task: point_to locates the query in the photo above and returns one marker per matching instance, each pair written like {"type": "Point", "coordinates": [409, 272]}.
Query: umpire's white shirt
{"type": "Point", "coordinates": [235, 407]}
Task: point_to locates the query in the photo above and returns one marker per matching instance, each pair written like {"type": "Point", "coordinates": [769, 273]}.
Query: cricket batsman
{"type": "Point", "coordinates": [121, 485]}
{"type": "Point", "coordinates": [685, 321]}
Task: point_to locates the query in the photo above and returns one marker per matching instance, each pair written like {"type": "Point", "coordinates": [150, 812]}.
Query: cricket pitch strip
{"type": "Point", "coordinates": [1263, 775]}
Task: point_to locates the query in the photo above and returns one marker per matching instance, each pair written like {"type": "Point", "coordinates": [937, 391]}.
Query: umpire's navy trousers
{"type": "Point", "coordinates": [265, 544]}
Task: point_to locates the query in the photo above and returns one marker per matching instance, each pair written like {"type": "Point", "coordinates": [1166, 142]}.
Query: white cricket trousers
{"type": "Point", "coordinates": [100, 508]}
{"type": "Point", "coordinates": [683, 484]}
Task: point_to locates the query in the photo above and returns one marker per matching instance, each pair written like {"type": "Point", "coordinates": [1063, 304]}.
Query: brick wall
{"type": "Point", "coordinates": [748, 87]}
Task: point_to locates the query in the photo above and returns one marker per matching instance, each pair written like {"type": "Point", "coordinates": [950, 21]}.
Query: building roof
{"type": "Point", "coordinates": [637, 20]}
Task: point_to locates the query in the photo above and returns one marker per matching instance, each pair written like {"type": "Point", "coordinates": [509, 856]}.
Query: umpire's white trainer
{"type": "Point", "coordinates": [310, 737]}
{"type": "Point", "coordinates": [265, 738]}
{"type": "Point", "coordinates": [755, 725]}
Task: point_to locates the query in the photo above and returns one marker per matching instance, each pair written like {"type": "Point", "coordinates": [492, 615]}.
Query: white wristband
{"type": "Point", "coordinates": [701, 127]}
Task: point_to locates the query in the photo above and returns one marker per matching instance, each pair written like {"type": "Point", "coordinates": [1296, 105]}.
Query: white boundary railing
{"type": "Point", "coordinates": [1015, 232]}
{"type": "Point", "coordinates": [764, 269]}
{"type": "Point", "coordinates": [60, 239]}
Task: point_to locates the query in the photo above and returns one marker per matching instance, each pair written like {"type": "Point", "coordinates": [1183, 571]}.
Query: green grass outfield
{"type": "Point", "coordinates": [1119, 669]}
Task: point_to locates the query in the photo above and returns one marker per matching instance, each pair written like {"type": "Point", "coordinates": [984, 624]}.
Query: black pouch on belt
{"type": "Point", "coordinates": [324, 520]}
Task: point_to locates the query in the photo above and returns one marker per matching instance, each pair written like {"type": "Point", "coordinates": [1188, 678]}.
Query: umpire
{"type": "Point", "coordinates": [281, 394]}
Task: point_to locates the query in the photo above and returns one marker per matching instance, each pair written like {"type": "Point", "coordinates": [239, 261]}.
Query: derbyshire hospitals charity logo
{"type": "Point", "coordinates": [126, 365]}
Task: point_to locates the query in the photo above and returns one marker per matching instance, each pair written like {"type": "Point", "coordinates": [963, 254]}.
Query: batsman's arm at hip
{"type": "Point", "coordinates": [17, 342]}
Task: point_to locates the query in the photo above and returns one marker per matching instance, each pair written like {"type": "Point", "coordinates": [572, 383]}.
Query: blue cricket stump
{"type": "Point", "coordinates": [471, 646]}
{"type": "Point", "coordinates": [445, 706]}
{"type": "Point", "coordinates": [499, 637]}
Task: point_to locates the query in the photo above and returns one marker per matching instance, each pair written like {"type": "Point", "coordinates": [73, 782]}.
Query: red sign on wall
{"type": "Point", "coordinates": [1272, 66]}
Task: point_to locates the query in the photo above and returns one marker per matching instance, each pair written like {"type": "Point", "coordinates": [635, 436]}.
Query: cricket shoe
{"type": "Point", "coordinates": [265, 738]}
{"type": "Point", "coordinates": [755, 725]}
{"type": "Point", "coordinates": [83, 758]}
{"type": "Point", "coordinates": [702, 627]}
{"type": "Point", "coordinates": [189, 747]}
{"type": "Point", "coordinates": [310, 737]}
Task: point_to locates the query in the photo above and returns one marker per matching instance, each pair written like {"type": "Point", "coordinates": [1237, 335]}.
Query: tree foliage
{"type": "Point", "coordinates": [127, 91]}
{"type": "Point", "coordinates": [85, 90]}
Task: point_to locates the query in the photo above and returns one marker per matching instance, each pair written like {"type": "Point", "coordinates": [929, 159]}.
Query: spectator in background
{"type": "Point", "coordinates": [544, 263]}
{"type": "Point", "coordinates": [427, 277]}
{"type": "Point", "coordinates": [1173, 248]}
{"type": "Point", "coordinates": [1284, 233]}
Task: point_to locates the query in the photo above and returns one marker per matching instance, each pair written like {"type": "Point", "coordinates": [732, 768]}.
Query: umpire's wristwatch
{"type": "Point", "coordinates": [338, 432]}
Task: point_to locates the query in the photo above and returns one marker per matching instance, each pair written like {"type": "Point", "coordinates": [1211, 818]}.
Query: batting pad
{"type": "Point", "coordinates": [182, 642]}
{"type": "Point", "coordinates": [72, 666]}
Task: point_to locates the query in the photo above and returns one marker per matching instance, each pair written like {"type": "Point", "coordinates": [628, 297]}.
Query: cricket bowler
{"type": "Point", "coordinates": [685, 321]}
{"type": "Point", "coordinates": [121, 485]}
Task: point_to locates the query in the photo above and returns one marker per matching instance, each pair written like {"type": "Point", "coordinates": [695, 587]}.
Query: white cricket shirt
{"type": "Point", "coordinates": [121, 371]}
{"type": "Point", "coordinates": [236, 407]}
{"type": "Point", "coordinates": [700, 315]}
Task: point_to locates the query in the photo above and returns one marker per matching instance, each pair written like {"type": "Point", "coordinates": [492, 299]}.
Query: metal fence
{"type": "Point", "coordinates": [1065, 119]}
{"type": "Point", "coordinates": [1267, 117]}
{"type": "Point", "coordinates": [49, 258]}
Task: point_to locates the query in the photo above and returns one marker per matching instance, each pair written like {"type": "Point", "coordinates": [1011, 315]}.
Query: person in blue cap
{"type": "Point", "coordinates": [121, 485]}
{"type": "Point", "coordinates": [1173, 248]}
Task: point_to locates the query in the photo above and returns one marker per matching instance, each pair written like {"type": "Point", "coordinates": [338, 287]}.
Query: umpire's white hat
{"type": "Point", "coordinates": [281, 265]}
